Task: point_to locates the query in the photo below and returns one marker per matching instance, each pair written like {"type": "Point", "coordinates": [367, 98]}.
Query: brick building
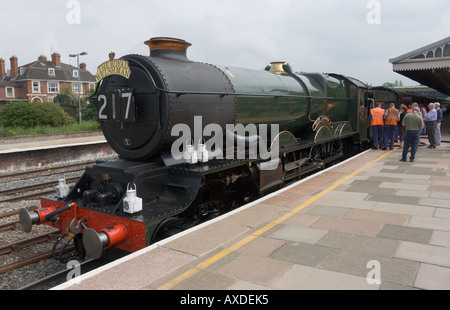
{"type": "Point", "coordinates": [41, 80]}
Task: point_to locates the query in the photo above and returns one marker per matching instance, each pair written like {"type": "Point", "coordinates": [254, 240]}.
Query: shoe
{"type": "Point", "coordinates": [403, 160]}
{"type": "Point", "coordinates": [374, 148]}
{"type": "Point", "coordinates": [411, 160]}
{"type": "Point", "coordinates": [384, 149]}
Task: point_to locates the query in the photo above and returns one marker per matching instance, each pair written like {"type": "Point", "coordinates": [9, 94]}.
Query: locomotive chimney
{"type": "Point", "coordinates": [169, 48]}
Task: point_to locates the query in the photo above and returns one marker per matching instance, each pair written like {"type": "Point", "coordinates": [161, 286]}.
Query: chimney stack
{"type": "Point", "coordinates": [83, 66]}
{"type": "Point", "coordinates": [56, 59]}
{"type": "Point", "coordinates": [42, 58]}
{"type": "Point", "coordinates": [14, 67]}
{"type": "Point", "coordinates": [169, 48]}
{"type": "Point", "coordinates": [2, 68]}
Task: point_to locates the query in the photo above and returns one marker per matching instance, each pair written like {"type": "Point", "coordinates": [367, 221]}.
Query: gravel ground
{"type": "Point", "coordinates": [17, 278]}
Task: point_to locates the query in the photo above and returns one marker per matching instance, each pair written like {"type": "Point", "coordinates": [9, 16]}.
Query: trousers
{"type": "Point", "coordinates": [389, 135]}
{"type": "Point", "coordinates": [431, 129]}
{"type": "Point", "coordinates": [437, 134]}
{"type": "Point", "coordinates": [378, 137]}
{"type": "Point", "coordinates": [411, 140]}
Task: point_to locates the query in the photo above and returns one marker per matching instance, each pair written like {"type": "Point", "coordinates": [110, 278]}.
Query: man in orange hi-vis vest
{"type": "Point", "coordinates": [391, 118]}
{"type": "Point", "coordinates": [377, 124]}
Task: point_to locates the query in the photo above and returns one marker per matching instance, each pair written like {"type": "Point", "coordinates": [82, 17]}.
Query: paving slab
{"type": "Point", "coordinates": [347, 225]}
{"type": "Point", "coordinates": [359, 243]}
{"type": "Point", "coordinates": [308, 278]}
{"type": "Point", "coordinates": [440, 203]}
{"type": "Point", "coordinates": [328, 211]}
{"type": "Point", "coordinates": [431, 277]}
{"type": "Point", "coordinates": [255, 269]}
{"type": "Point", "coordinates": [377, 217]}
{"type": "Point", "coordinates": [431, 254]}
{"type": "Point", "coordinates": [404, 208]}
{"type": "Point", "coordinates": [430, 223]}
{"type": "Point", "coordinates": [441, 238]}
{"type": "Point", "coordinates": [391, 269]}
{"type": "Point", "coordinates": [394, 232]}
{"type": "Point", "coordinates": [299, 234]}
{"type": "Point", "coordinates": [301, 253]}
{"type": "Point", "coordinates": [443, 213]}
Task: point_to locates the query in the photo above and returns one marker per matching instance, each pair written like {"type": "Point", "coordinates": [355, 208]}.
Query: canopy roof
{"type": "Point", "coordinates": [429, 65]}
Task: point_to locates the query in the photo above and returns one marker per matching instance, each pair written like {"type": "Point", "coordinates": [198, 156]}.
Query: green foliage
{"type": "Point", "coordinates": [47, 130]}
{"type": "Point", "coordinates": [68, 100]}
{"type": "Point", "coordinates": [32, 114]}
{"type": "Point", "coordinates": [90, 112]}
{"type": "Point", "coordinates": [5, 132]}
{"type": "Point", "coordinates": [396, 84]}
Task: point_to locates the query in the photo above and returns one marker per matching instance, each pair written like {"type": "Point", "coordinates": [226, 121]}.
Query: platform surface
{"type": "Point", "coordinates": [369, 223]}
{"type": "Point", "coordinates": [49, 142]}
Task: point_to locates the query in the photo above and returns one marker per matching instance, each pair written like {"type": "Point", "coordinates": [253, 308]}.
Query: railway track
{"type": "Point", "coordinates": [21, 253]}
{"type": "Point", "coordinates": [33, 191]}
{"type": "Point", "coordinates": [44, 171]}
{"type": "Point", "coordinates": [18, 255]}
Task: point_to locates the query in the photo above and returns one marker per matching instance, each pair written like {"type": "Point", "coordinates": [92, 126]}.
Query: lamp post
{"type": "Point", "coordinates": [79, 84]}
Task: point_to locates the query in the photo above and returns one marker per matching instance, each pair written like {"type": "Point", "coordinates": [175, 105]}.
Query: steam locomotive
{"type": "Point", "coordinates": [162, 182]}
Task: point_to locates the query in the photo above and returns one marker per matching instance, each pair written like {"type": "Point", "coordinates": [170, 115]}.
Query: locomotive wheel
{"type": "Point", "coordinates": [167, 228]}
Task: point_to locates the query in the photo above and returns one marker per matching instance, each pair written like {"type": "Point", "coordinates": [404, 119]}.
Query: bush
{"type": "Point", "coordinates": [4, 132]}
{"type": "Point", "coordinates": [32, 114]}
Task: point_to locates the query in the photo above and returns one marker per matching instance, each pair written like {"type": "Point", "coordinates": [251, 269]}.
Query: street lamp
{"type": "Point", "coordinates": [79, 84]}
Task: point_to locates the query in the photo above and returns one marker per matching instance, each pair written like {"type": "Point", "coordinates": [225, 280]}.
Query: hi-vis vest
{"type": "Point", "coordinates": [377, 116]}
{"type": "Point", "coordinates": [391, 117]}
{"type": "Point", "coordinates": [424, 112]}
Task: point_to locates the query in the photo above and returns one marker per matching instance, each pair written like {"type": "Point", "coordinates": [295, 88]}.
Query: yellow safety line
{"type": "Point", "coordinates": [169, 285]}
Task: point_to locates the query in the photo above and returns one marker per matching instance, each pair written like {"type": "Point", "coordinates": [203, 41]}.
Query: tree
{"type": "Point", "coordinates": [31, 114]}
{"type": "Point", "coordinates": [396, 84]}
{"type": "Point", "coordinates": [90, 111]}
{"type": "Point", "coordinates": [68, 100]}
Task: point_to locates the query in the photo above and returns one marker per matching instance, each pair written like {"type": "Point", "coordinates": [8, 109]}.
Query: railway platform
{"type": "Point", "coordinates": [33, 143]}
{"type": "Point", "coordinates": [29, 152]}
{"type": "Point", "coordinates": [370, 223]}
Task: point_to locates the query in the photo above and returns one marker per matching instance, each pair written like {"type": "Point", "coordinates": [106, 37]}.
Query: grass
{"type": "Point", "coordinates": [41, 130]}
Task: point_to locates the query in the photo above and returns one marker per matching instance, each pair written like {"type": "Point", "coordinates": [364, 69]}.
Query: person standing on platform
{"type": "Point", "coordinates": [440, 116]}
{"type": "Point", "coordinates": [391, 119]}
{"type": "Point", "coordinates": [424, 112]}
{"type": "Point", "coordinates": [431, 118]}
{"type": "Point", "coordinates": [377, 124]}
{"type": "Point", "coordinates": [414, 124]}
{"type": "Point", "coordinates": [401, 128]}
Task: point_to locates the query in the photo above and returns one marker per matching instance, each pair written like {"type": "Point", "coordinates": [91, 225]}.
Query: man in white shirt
{"type": "Point", "coordinates": [430, 120]}
{"type": "Point", "coordinates": [440, 116]}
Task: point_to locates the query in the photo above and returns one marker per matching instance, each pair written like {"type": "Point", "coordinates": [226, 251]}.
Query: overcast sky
{"type": "Point", "coordinates": [313, 36]}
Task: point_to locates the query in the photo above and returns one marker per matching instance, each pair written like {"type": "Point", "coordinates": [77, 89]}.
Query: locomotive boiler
{"type": "Point", "coordinates": [149, 193]}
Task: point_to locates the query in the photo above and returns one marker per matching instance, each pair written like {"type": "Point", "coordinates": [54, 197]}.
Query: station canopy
{"type": "Point", "coordinates": [429, 65]}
